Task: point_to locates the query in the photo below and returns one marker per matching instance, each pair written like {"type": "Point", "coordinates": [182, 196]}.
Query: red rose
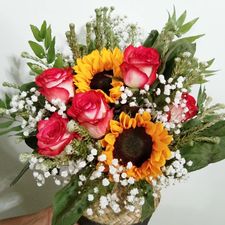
{"type": "Point", "coordinates": [53, 135]}
{"type": "Point", "coordinates": [92, 112]}
{"type": "Point", "coordinates": [56, 83]}
{"type": "Point", "coordinates": [140, 66]}
{"type": "Point", "coordinates": [177, 113]}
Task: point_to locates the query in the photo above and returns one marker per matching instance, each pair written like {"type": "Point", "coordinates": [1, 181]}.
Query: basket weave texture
{"type": "Point", "coordinates": [125, 217]}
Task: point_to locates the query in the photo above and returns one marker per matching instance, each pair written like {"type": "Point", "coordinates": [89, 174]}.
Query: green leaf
{"type": "Point", "coordinates": [48, 37]}
{"type": "Point", "coordinates": [21, 173]}
{"type": "Point", "coordinates": [51, 52]}
{"type": "Point", "coordinates": [6, 124]}
{"type": "Point", "coordinates": [192, 39]}
{"type": "Point", "coordinates": [2, 104]}
{"type": "Point", "coordinates": [31, 142]}
{"type": "Point", "coordinates": [201, 98]}
{"type": "Point", "coordinates": [181, 19]}
{"type": "Point", "coordinates": [36, 33]}
{"type": "Point", "coordinates": [149, 42]}
{"type": "Point", "coordinates": [204, 153]}
{"type": "Point", "coordinates": [149, 206]}
{"type": "Point", "coordinates": [37, 49]}
{"type": "Point", "coordinates": [176, 48]}
{"type": "Point", "coordinates": [43, 29]}
{"type": "Point", "coordinates": [191, 123]}
{"type": "Point", "coordinates": [27, 86]}
{"type": "Point", "coordinates": [69, 206]}
{"type": "Point", "coordinates": [7, 101]}
{"type": "Point", "coordinates": [35, 68]}
{"type": "Point", "coordinates": [217, 130]}
{"type": "Point", "coordinates": [17, 128]}
{"type": "Point", "coordinates": [187, 26]}
{"type": "Point", "coordinates": [59, 63]}
{"type": "Point", "coordinates": [210, 62]}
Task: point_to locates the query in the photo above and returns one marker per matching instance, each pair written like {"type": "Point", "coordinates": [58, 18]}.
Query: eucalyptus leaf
{"type": "Point", "coordinates": [36, 33]}
{"type": "Point", "coordinates": [37, 49]}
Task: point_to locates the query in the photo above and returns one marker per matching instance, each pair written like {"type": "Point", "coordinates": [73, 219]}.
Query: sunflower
{"type": "Point", "coordinates": [140, 141]}
{"type": "Point", "coordinates": [100, 70]}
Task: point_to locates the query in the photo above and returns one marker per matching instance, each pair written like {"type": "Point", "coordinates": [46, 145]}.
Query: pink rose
{"type": "Point", "coordinates": [53, 135]}
{"type": "Point", "coordinates": [177, 113]}
{"type": "Point", "coordinates": [92, 112]}
{"type": "Point", "coordinates": [56, 83]}
{"type": "Point", "coordinates": [140, 66]}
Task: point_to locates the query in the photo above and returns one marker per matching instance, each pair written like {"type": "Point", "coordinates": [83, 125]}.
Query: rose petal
{"type": "Point", "coordinates": [55, 93]}
{"type": "Point", "coordinates": [145, 69]}
{"type": "Point", "coordinates": [99, 130]}
{"type": "Point", "coordinates": [133, 77]}
{"type": "Point", "coordinates": [68, 85]}
{"type": "Point", "coordinates": [128, 52]}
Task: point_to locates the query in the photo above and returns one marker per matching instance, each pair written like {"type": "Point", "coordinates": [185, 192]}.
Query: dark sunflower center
{"type": "Point", "coordinates": [102, 81]}
{"type": "Point", "coordinates": [133, 145]}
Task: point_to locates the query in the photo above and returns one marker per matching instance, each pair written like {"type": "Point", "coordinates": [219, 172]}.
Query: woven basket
{"type": "Point", "coordinates": [110, 218]}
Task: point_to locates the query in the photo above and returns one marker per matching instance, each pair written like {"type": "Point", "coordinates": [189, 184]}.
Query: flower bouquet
{"type": "Point", "coordinates": [114, 122]}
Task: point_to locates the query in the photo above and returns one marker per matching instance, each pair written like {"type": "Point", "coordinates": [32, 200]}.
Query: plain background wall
{"type": "Point", "coordinates": [200, 200]}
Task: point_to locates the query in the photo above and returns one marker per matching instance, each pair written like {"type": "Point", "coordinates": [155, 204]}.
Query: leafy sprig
{"type": "Point", "coordinates": [44, 49]}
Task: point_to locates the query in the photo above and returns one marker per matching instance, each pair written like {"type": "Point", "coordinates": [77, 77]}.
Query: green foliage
{"type": "Point", "coordinates": [51, 52]}
{"type": "Point", "coordinates": [6, 124]}
{"type": "Point", "coordinates": [184, 28]}
{"type": "Point", "coordinates": [43, 30]}
{"type": "Point", "coordinates": [168, 47]}
{"type": "Point", "coordinates": [59, 63]}
{"type": "Point", "coordinates": [202, 153]}
{"type": "Point", "coordinates": [44, 49]}
{"type": "Point", "coordinates": [69, 205]}
{"type": "Point", "coordinates": [201, 99]}
{"type": "Point", "coordinates": [149, 206]}
{"type": "Point", "coordinates": [31, 142]}
{"type": "Point", "coordinates": [17, 128]}
{"type": "Point", "coordinates": [37, 69]}
{"type": "Point", "coordinates": [36, 33]}
{"type": "Point", "coordinates": [37, 49]}
{"type": "Point", "coordinates": [27, 86]}
{"type": "Point", "coordinates": [2, 104]}
{"type": "Point", "coordinates": [149, 42]}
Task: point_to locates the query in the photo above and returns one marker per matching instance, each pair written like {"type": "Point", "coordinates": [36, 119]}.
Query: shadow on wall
{"type": "Point", "coordinates": [24, 197]}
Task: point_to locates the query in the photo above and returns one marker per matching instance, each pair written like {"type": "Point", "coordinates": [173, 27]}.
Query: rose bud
{"type": "Point", "coordinates": [56, 83]}
{"type": "Point", "coordinates": [177, 113]}
{"type": "Point", "coordinates": [53, 136]}
{"type": "Point", "coordinates": [92, 112]}
{"type": "Point", "coordinates": [140, 66]}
